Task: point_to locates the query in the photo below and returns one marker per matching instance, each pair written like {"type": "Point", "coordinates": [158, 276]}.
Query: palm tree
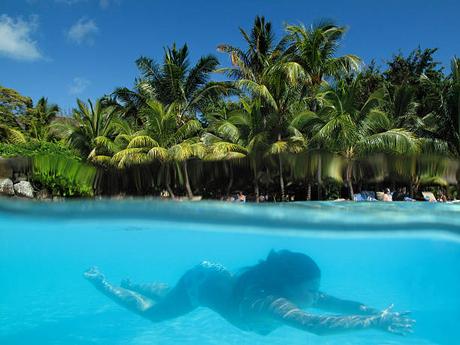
{"type": "Point", "coordinates": [279, 92]}
{"type": "Point", "coordinates": [164, 139]}
{"type": "Point", "coordinates": [174, 81]}
{"type": "Point", "coordinates": [448, 117]}
{"type": "Point", "coordinates": [314, 48]}
{"type": "Point", "coordinates": [399, 102]}
{"type": "Point", "coordinates": [340, 127]}
{"type": "Point", "coordinates": [253, 136]}
{"type": "Point", "coordinates": [39, 118]}
{"type": "Point", "coordinates": [89, 126]}
{"type": "Point", "coordinates": [182, 153]}
{"type": "Point", "coordinates": [293, 142]}
{"type": "Point", "coordinates": [261, 52]}
{"type": "Point", "coordinates": [223, 139]}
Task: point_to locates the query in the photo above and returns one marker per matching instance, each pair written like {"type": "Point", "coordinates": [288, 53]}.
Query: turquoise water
{"type": "Point", "coordinates": [402, 253]}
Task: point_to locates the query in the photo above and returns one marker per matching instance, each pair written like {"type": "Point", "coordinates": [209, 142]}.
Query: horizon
{"type": "Point", "coordinates": [69, 49]}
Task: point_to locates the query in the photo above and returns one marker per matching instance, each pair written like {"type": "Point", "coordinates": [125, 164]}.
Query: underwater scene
{"type": "Point", "coordinates": [146, 271]}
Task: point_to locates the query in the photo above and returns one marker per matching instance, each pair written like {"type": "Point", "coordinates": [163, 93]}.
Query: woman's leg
{"type": "Point", "coordinates": [174, 304]}
{"type": "Point", "coordinates": [154, 291]}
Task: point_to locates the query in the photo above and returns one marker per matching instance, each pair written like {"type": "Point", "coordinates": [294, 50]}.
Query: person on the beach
{"type": "Point", "coordinates": [260, 298]}
{"type": "Point", "coordinates": [442, 197]}
{"type": "Point", "coordinates": [387, 195]}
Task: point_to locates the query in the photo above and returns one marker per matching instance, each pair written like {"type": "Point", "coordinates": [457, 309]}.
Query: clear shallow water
{"type": "Point", "coordinates": [402, 253]}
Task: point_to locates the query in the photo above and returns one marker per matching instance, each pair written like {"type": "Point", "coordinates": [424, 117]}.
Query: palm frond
{"type": "Point", "coordinates": [159, 154]}
{"type": "Point", "coordinates": [258, 90]}
{"type": "Point", "coordinates": [394, 141]}
{"type": "Point", "coordinates": [142, 141]}
{"type": "Point", "coordinates": [11, 135]}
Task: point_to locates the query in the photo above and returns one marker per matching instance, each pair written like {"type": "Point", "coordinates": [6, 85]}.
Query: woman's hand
{"type": "Point", "coordinates": [395, 322]}
{"type": "Point", "coordinates": [94, 275]}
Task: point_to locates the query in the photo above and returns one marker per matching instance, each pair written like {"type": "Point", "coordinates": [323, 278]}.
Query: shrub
{"type": "Point", "coordinates": [54, 166]}
{"type": "Point", "coordinates": [35, 147]}
{"type": "Point", "coordinates": [63, 176]}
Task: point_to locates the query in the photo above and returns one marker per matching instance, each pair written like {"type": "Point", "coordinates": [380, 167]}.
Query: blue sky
{"type": "Point", "coordinates": [64, 49]}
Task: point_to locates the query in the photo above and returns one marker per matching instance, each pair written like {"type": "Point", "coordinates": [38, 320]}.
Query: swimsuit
{"type": "Point", "coordinates": [207, 284]}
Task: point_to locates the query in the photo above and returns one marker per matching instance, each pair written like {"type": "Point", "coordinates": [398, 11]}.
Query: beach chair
{"type": "Point", "coordinates": [429, 196]}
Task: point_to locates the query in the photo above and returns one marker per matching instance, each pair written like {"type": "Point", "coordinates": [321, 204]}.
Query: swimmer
{"type": "Point", "coordinates": [275, 292]}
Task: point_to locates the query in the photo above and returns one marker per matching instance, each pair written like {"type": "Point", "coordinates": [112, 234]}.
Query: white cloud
{"type": "Point", "coordinates": [15, 38]}
{"type": "Point", "coordinates": [82, 31]}
{"type": "Point", "coordinates": [78, 86]}
{"type": "Point", "coordinates": [107, 3]}
{"type": "Point", "coordinates": [69, 2]}
{"type": "Point", "coordinates": [104, 4]}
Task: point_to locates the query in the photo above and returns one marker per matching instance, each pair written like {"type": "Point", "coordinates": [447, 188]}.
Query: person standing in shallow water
{"type": "Point", "coordinates": [275, 292]}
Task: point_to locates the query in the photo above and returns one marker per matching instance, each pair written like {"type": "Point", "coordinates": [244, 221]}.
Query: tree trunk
{"type": "Point", "coordinates": [187, 182]}
{"type": "Point", "coordinates": [256, 182]}
{"type": "Point", "coordinates": [309, 191]}
{"type": "Point", "coordinates": [283, 196]}
{"type": "Point", "coordinates": [168, 183]}
{"type": "Point", "coordinates": [349, 181]}
{"type": "Point", "coordinates": [318, 177]}
{"type": "Point", "coordinates": [230, 183]}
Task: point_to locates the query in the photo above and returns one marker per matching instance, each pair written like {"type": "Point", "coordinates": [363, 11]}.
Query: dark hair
{"type": "Point", "coordinates": [280, 269]}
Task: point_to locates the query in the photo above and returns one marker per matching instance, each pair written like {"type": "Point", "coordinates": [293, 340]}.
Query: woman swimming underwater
{"type": "Point", "coordinates": [261, 298]}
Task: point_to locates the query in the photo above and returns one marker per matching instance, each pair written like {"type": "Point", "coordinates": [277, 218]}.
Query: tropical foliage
{"type": "Point", "coordinates": [292, 113]}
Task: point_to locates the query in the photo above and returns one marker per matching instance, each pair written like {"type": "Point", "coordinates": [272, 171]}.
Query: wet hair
{"type": "Point", "coordinates": [279, 270]}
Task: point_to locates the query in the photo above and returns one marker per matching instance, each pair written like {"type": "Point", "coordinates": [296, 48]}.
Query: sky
{"type": "Point", "coordinates": [69, 49]}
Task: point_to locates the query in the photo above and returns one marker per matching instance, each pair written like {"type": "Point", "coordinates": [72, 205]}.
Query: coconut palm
{"type": "Point", "coordinates": [223, 139]}
{"type": "Point", "coordinates": [130, 102]}
{"type": "Point", "coordinates": [105, 147]}
{"type": "Point", "coordinates": [39, 117]}
{"type": "Point", "coordinates": [315, 47]}
{"type": "Point", "coordinates": [447, 119]}
{"type": "Point", "coordinates": [253, 136]}
{"type": "Point", "coordinates": [88, 125]}
{"type": "Point", "coordinates": [175, 81]}
{"type": "Point", "coordinates": [165, 139]}
{"type": "Point", "coordinates": [260, 69]}
{"type": "Point", "coordinates": [261, 52]}
{"type": "Point", "coordinates": [182, 153]}
{"type": "Point", "coordinates": [340, 127]}
{"type": "Point", "coordinates": [399, 102]}
{"type": "Point", "coordinates": [293, 142]}
{"type": "Point", "coordinates": [279, 92]}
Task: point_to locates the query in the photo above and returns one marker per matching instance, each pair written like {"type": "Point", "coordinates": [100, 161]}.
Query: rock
{"type": "Point", "coordinates": [43, 194]}
{"type": "Point", "coordinates": [21, 178]}
{"type": "Point", "coordinates": [24, 188]}
{"type": "Point", "coordinates": [6, 187]}
{"type": "Point", "coordinates": [5, 169]}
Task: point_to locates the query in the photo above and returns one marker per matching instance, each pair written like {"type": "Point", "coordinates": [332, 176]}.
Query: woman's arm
{"type": "Point", "coordinates": [289, 314]}
{"type": "Point", "coordinates": [331, 303]}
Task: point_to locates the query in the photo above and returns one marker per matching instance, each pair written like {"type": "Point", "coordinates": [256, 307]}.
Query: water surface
{"type": "Point", "coordinates": [402, 253]}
